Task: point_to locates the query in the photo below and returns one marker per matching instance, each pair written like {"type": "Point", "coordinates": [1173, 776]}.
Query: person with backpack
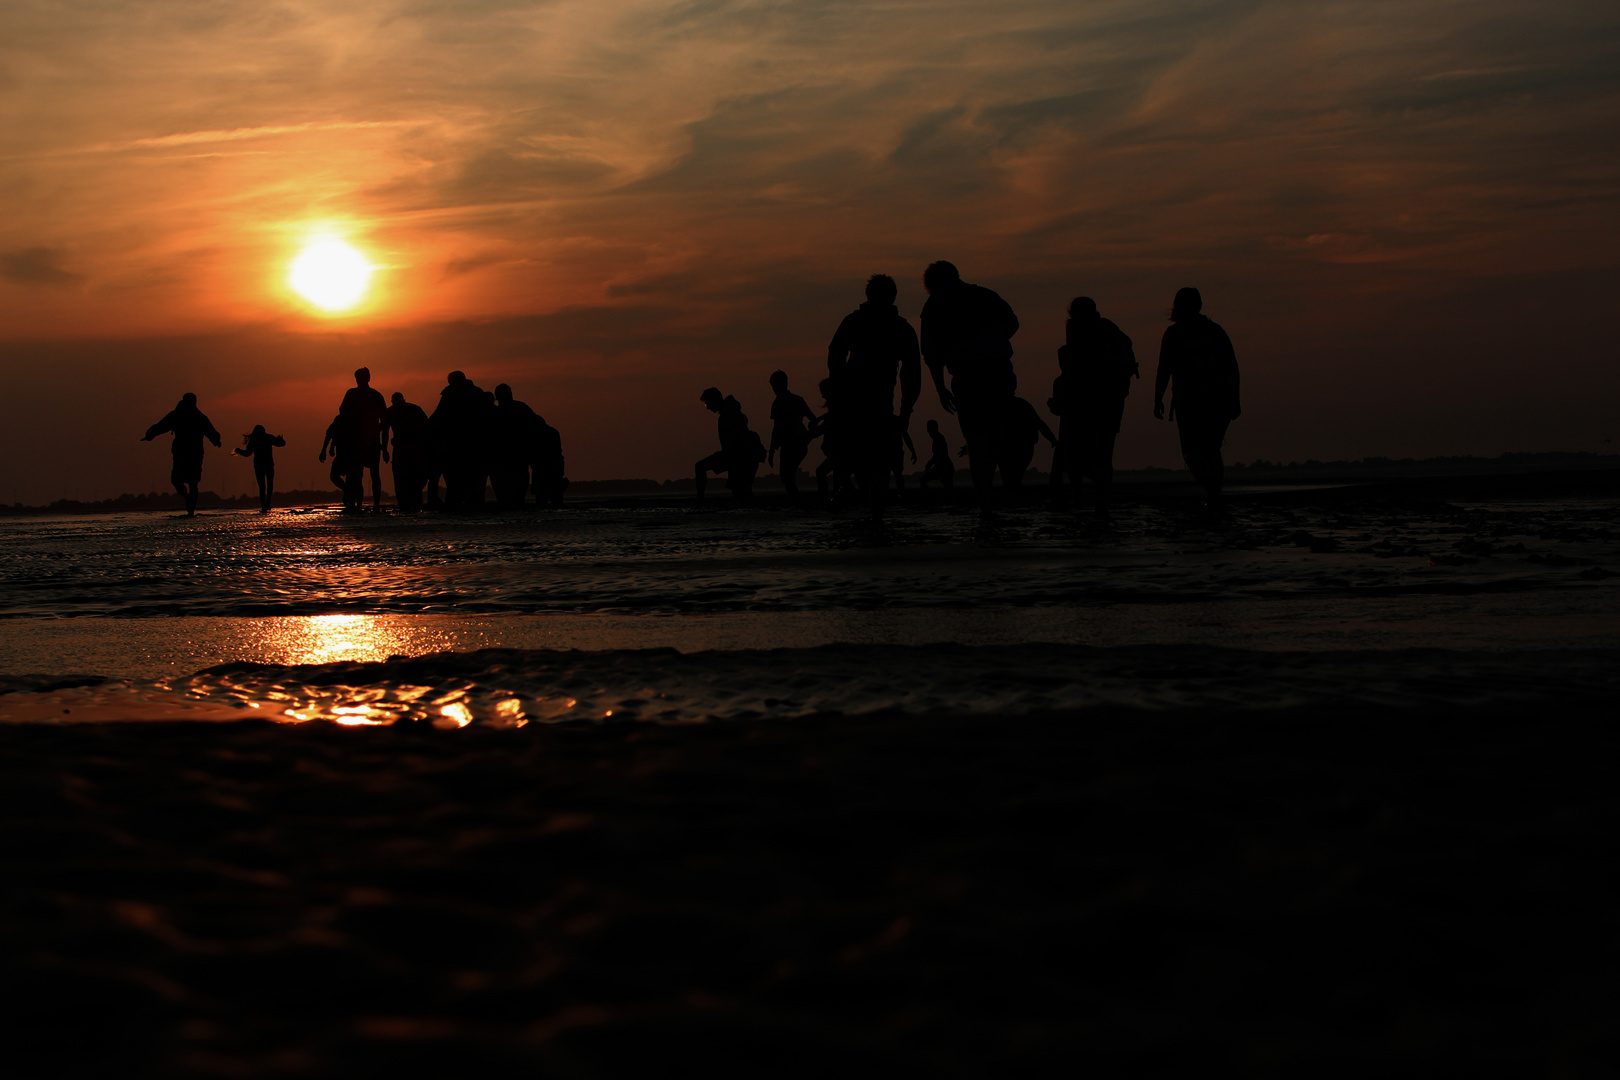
{"type": "Point", "coordinates": [741, 450]}
{"type": "Point", "coordinates": [1096, 365]}
{"type": "Point", "coordinates": [1197, 362]}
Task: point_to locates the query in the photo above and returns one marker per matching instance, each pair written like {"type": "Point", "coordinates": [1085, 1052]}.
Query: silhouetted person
{"type": "Point", "coordinates": [789, 412]}
{"type": "Point", "coordinates": [259, 445]}
{"type": "Point", "coordinates": [1018, 429]}
{"type": "Point", "coordinates": [364, 408]}
{"type": "Point", "coordinates": [515, 429]}
{"type": "Point", "coordinates": [740, 450]}
{"type": "Point", "coordinates": [1196, 360]}
{"type": "Point", "coordinates": [839, 460]}
{"type": "Point", "coordinates": [548, 464]}
{"type": "Point", "coordinates": [967, 331]}
{"type": "Point", "coordinates": [409, 425]}
{"type": "Point", "coordinates": [346, 469]}
{"type": "Point", "coordinates": [873, 349]}
{"type": "Point", "coordinates": [940, 466]}
{"type": "Point", "coordinates": [1097, 364]}
{"type": "Point", "coordinates": [190, 428]}
{"type": "Point", "coordinates": [460, 425]}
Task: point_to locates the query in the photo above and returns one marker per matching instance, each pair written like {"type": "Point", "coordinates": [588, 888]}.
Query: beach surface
{"type": "Point", "coordinates": [1320, 787]}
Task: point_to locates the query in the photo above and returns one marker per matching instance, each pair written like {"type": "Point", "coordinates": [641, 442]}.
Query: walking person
{"type": "Point", "coordinates": [1097, 364]}
{"type": "Point", "coordinates": [346, 474]}
{"type": "Point", "coordinates": [967, 333]}
{"type": "Point", "coordinates": [364, 409]}
{"type": "Point", "coordinates": [460, 427]}
{"type": "Point", "coordinates": [514, 432]}
{"type": "Point", "coordinates": [260, 446]}
{"type": "Point", "coordinates": [874, 349]}
{"type": "Point", "coordinates": [409, 425]}
{"type": "Point", "coordinates": [789, 412]}
{"type": "Point", "coordinates": [190, 428]}
{"type": "Point", "coordinates": [1197, 363]}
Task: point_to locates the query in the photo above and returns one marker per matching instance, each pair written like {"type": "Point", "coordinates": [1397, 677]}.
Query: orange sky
{"type": "Point", "coordinates": [1404, 213]}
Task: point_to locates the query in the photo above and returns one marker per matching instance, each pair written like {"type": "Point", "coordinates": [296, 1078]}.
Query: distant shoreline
{"type": "Point", "coordinates": [1316, 474]}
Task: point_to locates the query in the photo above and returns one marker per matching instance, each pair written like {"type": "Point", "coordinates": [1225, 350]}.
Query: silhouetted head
{"type": "Point", "coordinates": [503, 393]}
{"type": "Point", "coordinates": [455, 378]}
{"type": "Point", "coordinates": [258, 429]}
{"type": "Point", "coordinates": [1188, 303]}
{"type": "Point", "coordinates": [1082, 307]}
{"type": "Point", "coordinates": [881, 289]}
{"type": "Point", "coordinates": [933, 427]}
{"type": "Point", "coordinates": [712, 397]}
{"type": "Point", "coordinates": [398, 398]}
{"type": "Point", "coordinates": [188, 401]}
{"type": "Point", "coordinates": [941, 275]}
{"type": "Point", "coordinates": [362, 376]}
{"type": "Point", "coordinates": [779, 381]}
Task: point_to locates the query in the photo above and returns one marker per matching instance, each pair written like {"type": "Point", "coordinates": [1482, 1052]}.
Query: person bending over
{"type": "Point", "coordinates": [740, 450]}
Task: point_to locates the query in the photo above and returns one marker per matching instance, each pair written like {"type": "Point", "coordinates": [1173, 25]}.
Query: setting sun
{"type": "Point", "coordinates": [330, 274]}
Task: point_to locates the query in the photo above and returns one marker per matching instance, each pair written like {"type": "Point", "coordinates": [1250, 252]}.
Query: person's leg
{"type": "Point", "coordinates": [376, 483]}
{"type": "Point", "coordinates": [1054, 484]}
{"type": "Point", "coordinates": [978, 431]}
{"type": "Point", "coordinates": [789, 474]}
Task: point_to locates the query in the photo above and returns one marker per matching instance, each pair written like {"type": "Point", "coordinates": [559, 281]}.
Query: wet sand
{"type": "Point", "coordinates": [1321, 788]}
{"type": "Point", "coordinates": [1297, 892]}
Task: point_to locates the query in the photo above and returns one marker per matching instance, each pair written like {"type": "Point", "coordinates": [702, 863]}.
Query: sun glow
{"type": "Point", "coordinates": [330, 274]}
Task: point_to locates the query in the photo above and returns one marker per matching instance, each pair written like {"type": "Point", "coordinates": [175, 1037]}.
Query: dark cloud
{"type": "Point", "coordinates": [36, 266]}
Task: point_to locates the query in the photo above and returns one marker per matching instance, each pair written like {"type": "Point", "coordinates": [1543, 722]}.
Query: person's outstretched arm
{"type": "Point", "coordinates": [242, 451]}
{"type": "Point", "coordinates": [163, 425]}
{"type": "Point", "coordinates": [277, 440]}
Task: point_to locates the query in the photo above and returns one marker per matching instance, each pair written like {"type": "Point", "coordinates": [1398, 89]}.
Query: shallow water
{"type": "Point", "coordinates": [812, 612]}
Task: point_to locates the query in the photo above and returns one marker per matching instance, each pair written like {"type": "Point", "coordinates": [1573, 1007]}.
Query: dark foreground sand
{"type": "Point", "coordinates": [1285, 893]}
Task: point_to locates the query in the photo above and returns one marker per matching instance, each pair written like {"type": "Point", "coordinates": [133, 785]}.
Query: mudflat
{"type": "Point", "coordinates": [1309, 891]}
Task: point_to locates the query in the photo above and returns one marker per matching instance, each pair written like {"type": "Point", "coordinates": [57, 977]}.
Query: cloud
{"type": "Point", "coordinates": [36, 266]}
{"type": "Point", "coordinates": [692, 188]}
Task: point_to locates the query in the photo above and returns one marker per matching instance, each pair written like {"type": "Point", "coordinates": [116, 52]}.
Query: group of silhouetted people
{"type": "Point", "coordinates": [475, 438]}
{"type": "Point", "coordinates": [472, 440]}
{"type": "Point", "coordinates": [967, 333]}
